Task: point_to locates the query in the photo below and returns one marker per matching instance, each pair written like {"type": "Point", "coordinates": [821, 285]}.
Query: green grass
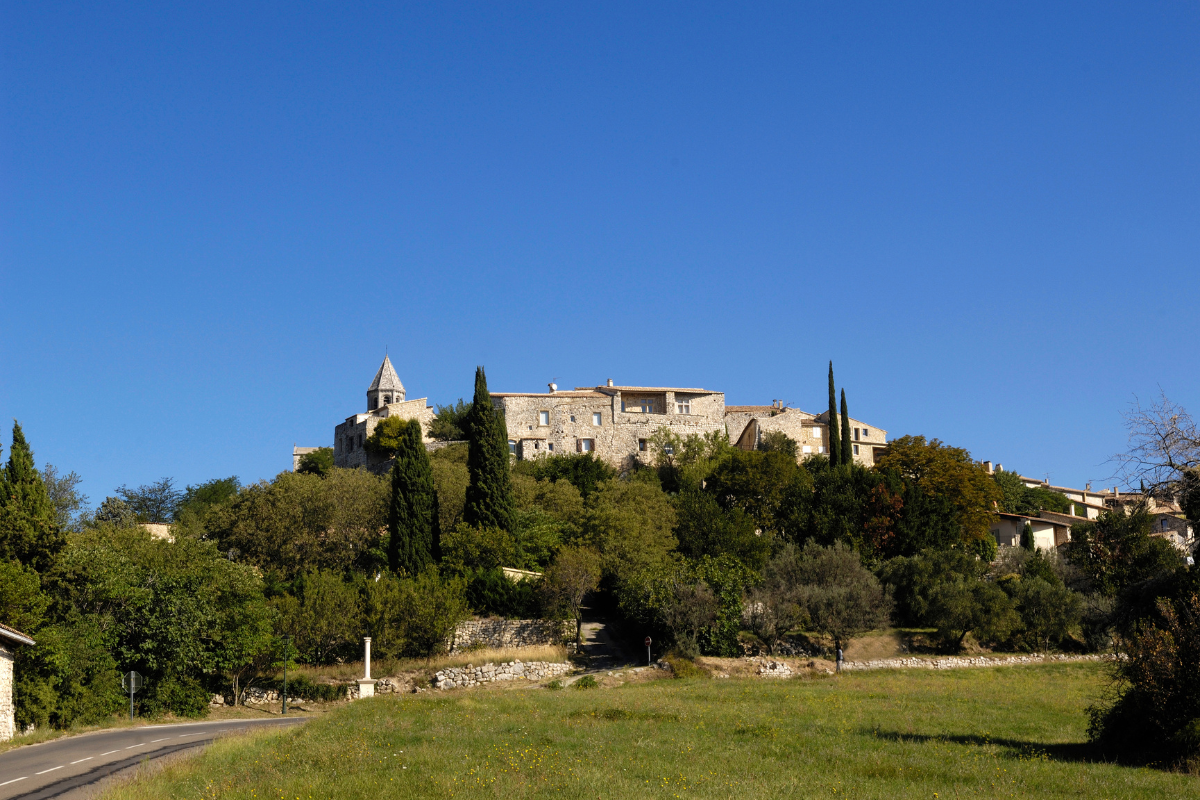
{"type": "Point", "coordinates": [1003, 732]}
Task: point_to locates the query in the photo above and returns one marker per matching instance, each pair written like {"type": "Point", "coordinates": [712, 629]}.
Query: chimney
{"type": "Point", "coordinates": [610, 381]}
{"type": "Point", "coordinates": [553, 387]}
{"type": "Point", "coordinates": [987, 467]}
{"type": "Point", "coordinates": [1089, 486]}
{"type": "Point", "coordinates": [999, 468]}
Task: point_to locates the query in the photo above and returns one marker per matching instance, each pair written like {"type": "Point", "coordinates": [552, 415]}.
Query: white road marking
{"type": "Point", "coordinates": [43, 772]}
{"type": "Point", "coordinates": [80, 761]}
{"type": "Point", "coordinates": [152, 741]}
{"type": "Point", "coordinates": [14, 780]}
{"type": "Point", "coordinates": [109, 753]}
{"type": "Point", "coordinates": [135, 745]}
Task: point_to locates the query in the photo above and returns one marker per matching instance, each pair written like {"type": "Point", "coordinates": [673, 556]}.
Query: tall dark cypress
{"type": "Point", "coordinates": [835, 440]}
{"type": "Point", "coordinates": [489, 502]}
{"type": "Point", "coordinates": [847, 445]}
{"type": "Point", "coordinates": [413, 535]}
{"type": "Point", "coordinates": [29, 531]}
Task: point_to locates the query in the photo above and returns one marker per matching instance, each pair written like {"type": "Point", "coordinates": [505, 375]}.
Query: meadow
{"type": "Point", "coordinates": [1000, 732]}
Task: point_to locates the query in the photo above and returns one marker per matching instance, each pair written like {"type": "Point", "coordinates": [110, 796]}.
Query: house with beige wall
{"type": "Point", "coordinates": [10, 639]}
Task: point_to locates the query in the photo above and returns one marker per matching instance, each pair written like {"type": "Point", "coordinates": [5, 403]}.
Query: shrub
{"type": "Point", "coordinates": [684, 667]}
{"type": "Point", "coordinates": [586, 682]}
{"type": "Point", "coordinates": [489, 592]}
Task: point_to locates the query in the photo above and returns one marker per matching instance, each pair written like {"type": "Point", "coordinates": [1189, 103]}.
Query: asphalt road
{"type": "Point", "coordinates": [56, 767]}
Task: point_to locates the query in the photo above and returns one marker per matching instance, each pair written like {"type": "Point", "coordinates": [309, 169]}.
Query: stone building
{"type": "Point", "coordinates": [10, 638]}
{"type": "Point", "coordinates": [385, 398]}
{"type": "Point", "coordinates": [613, 422]}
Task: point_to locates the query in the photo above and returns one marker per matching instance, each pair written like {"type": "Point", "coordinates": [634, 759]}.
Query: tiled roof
{"type": "Point", "coordinates": [386, 379]}
{"type": "Point", "coordinates": [647, 389]}
{"type": "Point", "coordinates": [559, 393]}
{"type": "Point", "coordinates": [1065, 519]}
{"type": "Point", "coordinates": [14, 634]}
{"type": "Point", "coordinates": [750, 409]}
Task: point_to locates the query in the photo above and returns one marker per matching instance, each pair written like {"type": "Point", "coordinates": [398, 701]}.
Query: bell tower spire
{"type": "Point", "coordinates": [386, 388]}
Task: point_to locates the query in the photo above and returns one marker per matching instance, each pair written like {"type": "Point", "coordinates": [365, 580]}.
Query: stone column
{"type": "Point", "coordinates": [366, 686]}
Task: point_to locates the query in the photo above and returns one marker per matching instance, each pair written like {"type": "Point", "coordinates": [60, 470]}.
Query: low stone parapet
{"type": "Point", "coordinates": [961, 662]}
{"type": "Point", "coordinates": [470, 675]}
{"type": "Point", "coordinates": [770, 668]}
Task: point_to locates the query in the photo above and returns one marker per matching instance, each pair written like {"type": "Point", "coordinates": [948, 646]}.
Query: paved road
{"type": "Point", "coordinates": [53, 768]}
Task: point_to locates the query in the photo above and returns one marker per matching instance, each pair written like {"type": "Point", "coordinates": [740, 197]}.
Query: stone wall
{"type": "Point", "coordinates": [470, 675]}
{"type": "Point", "coordinates": [350, 435]}
{"type": "Point", "coordinates": [961, 662]}
{"type": "Point", "coordinates": [499, 633]}
{"type": "Point", "coordinates": [8, 723]}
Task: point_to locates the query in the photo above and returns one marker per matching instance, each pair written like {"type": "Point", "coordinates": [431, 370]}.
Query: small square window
{"type": "Point", "coordinates": [642, 445]}
{"type": "Point", "coordinates": [855, 449]}
{"type": "Point", "coordinates": [597, 418]}
{"type": "Point", "coordinates": [683, 407]}
{"type": "Point", "coordinates": [587, 445]}
{"type": "Point", "coordinates": [550, 447]}
{"type": "Point", "coordinates": [865, 434]}
{"type": "Point", "coordinates": [821, 449]}
{"type": "Point", "coordinates": [816, 433]}
{"type": "Point", "coordinates": [512, 447]}
{"type": "Point", "coordinates": [572, 418]}
{"type": "Point", "coordinates": [808, 448]}
{"type": "Point", "coordinates": [543, 418]}
{"type": "Point", "coordinates": [647, 406]}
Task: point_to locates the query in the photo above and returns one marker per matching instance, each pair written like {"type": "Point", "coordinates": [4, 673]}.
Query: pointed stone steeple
{"type": "Point", "coordinates": [386, 388]}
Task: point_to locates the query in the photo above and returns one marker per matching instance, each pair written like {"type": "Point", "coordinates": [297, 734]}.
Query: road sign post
{"type": "Point", "coordinates": [648, 640]}
{"type": "Point", "coordinates": [131, 682]}
{"type": "Point", "coordinates": [287, 652]}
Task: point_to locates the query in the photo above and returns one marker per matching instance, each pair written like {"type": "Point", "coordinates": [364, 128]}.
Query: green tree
{"type": "Point", "coordinates": [758, 483]}
{"type": "Point", "coordinates": [431, 606]}
{"type": "Point", "coordinates": [778, 441]}
{"type": "Point", "coordinates": [70, 504]}
{"type": "Point", "coordinates": [946, 477]}
{"type": "Point", "coordinates": [835, 439]}
{"type": "Point", "coordinates": [704, 528]}
{"type": "Point", "coordinates": [959, 607]}
{"type": "Point", "coordinates": [413, 525]}
{"type": "Point", "coordinates": [153, 502]}
{"type": "Point", "coordinates": [489, 501]}
{"type": "Point", "coordinates": [1117, 551]}
{"type": "Point", "coordinates": [847, 445]}
{"type": "Point", "coordinates": [29, 529]}
{"type": "Point", "coordinates": [388, 437]}
{"type": "Point", "coordinates": [319, 462]}
{"type": "Point", "coordinates": [450, 423]}
{"type": "Point", "coordinates": [1048, 611]}
{"type": "Point", "coordinates": [840, 596]}
{"type": "Point", "coordinates": [203, 496]}
{"type": "Point", "coordinates": [323, 617]}
{"type": "Point", "coordinates": [574, 574]}
{"type": "Point", "coordinates": [584, 471]}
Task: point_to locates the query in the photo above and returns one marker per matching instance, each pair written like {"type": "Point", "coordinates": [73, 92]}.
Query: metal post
{"type": "Point", "coordinates": [131, 699]}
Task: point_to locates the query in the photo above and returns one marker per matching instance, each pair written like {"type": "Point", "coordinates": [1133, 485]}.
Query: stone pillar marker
{"type": "Point", "coordinates": [366, 686]}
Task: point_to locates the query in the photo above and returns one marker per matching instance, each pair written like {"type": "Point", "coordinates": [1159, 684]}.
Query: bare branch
{"type": "Point", "coordinates": [1164, 443]}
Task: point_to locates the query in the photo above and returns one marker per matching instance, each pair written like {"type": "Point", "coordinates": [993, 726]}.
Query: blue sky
{"type": "Point", "coordinates": [214, 219]}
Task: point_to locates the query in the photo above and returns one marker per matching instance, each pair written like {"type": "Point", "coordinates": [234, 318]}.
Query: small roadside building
{"type": "Point", "coordinates": [10, 639]}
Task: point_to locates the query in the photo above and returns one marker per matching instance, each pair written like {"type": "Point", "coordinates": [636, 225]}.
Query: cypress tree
{"type": "Point", "coordinates": [29, 531]}
{"type": "Point", "coordinates": [413, 535]}
{"type": "Point", "coordinates": [835, 441]}
{"type": "Point", "coordinates": [489, 502]}
{"type": "Point", "coordinates": [847, 445]}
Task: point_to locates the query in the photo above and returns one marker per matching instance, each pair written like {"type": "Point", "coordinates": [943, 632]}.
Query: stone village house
{"type": "Point", "coordinates": [613, 422]}
{"type": "Point", "coordinates": [10, 638]}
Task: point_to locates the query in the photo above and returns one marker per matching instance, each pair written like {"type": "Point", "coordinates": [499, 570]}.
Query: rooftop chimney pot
{"type": "Point", "coordinates": [553, 387]}
{"type": "Point", "coordinates": [610, 383]}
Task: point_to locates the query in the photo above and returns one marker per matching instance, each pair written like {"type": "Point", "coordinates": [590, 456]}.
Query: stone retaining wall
{"type": "Point", "coordinates": [471, 675]}
{"type": "Point", "coordinates": [499, 633]}
{"type": "Point", "coordinates": [960, 662]}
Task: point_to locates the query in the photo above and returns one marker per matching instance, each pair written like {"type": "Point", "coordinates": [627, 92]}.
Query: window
{"type": "Point", "coordinates": [642, 445]}
{"type": "Point", "coordinates": [855, 449]}
{"type": "Point", "coordinates": [856, 434]}
{"type": "Point", "coordinates": [597, 418]}
{"type": "Point", "coordinates": [512, 447]}
{"type": "Point", "coordinates": [683, 407]}
{"type": "Point", "coordinates": [865, 434]}
{"type": "Point", "coordinates": [572, 418]}
{"type": "Point", "coordinates": [821, 449]}
{"type": "Point", "coordinates": [586, 445]}
{"type": "Point", "coordinates": [360, 441]}
{"type": "Point", "coordinates": [817, 434]}
{"type": "Point", "coordinates": [647, 406]}
{"type": "Point", "coordinates": [536, 445]}
{"type": "Point", "coordinates": [807, 448]}
{"type": "Point", "coordinates": [622, 405]}
{"type": "Point", "coordinates": [543, 418]}
{"type": "Point", "coordinates": [550, 447]}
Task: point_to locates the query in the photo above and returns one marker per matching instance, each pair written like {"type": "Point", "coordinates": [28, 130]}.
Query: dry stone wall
{"type": "Point", "coordinates": [470, 675]}
{"type": "Point", "coordinates": [499, 633]}
{"type": "Point", "coordinates": [960, 662]}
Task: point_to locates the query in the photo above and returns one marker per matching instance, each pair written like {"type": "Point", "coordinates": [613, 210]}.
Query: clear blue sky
{"type": "Point", "coordinates": [214, 219]}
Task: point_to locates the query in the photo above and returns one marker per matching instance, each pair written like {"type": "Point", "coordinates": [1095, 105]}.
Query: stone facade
{"type": "Point", "coordinates": [470, 675]}
{"type": "Point", "coordinates": [501, 633]}
{"type": "Point", "coordinates": [10, 639]}
{"type": "Point", "coordinates": [614, 422]}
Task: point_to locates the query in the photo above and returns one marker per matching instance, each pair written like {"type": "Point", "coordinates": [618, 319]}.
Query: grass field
{"type": "Point", "coordinates": [1003, 732]}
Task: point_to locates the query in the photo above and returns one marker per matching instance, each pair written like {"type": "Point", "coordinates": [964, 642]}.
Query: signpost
{"type": "Point", "coordinates": [647, 650]}
{"type": "Point", "coordinates": [287, 652]}
{"type": "Point", "coordinates": [131, 682]}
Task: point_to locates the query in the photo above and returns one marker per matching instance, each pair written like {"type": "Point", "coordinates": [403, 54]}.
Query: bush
{"type": "Point", "coordinates": [584, 471]}
{"type": "Point", "coordinates": [490, 593]}
{"type": "Point", "coordinates": [684, 667]}
{"type": "Point", "coordinates": [586, 682]}
{"type": "Point", "coordinates": [180, 695]}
